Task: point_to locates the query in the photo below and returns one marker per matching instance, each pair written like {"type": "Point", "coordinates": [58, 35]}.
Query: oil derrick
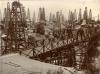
{"type": "Point", "coordinates": [0, 16]}
{"type": "Point", "coordinates": [5, 18]}
{"type": "Point", "coordinates": [15, 36]}
{"type": "Point", "coordinates": [28, 14]}
{"type": "Point", "coordinates": [33, 19]}
{"type": "Point", "coordinates": [61, 18]}
{"type": "Point", "coordinates": [5, 22]}
{"type": "Point", "coordinates": [41, 14]}
{"type": "Point", "coordinates": [71, 17]}
{"type": "Point", "coordinates": [50, 17]}
{"type": "Point", "coordinates": [75, 15]}
{"type": "Point", "coordinates": [1, 30]}
{"type": "Point", "coordinates": [74, 18]}
{"type": "Point", "coordinates": [31, 29]}
{"type": "Point", "coordinates": [54, 21]}
{"type": "Point", "coordinates": [80, 16]}
{"type": "Point", "coordinates": [29, 25]}
{"type": "Point", "coordinates": [58, 16]}
{"type": "Point", "coordinates": [41, 21]}
{"type": "Point", "coordinates": [90, 15]}
{"type": "Point", "coordinates": [24, 15]}
{"type": "Point", "coordinates": [85, 15]}
{"type": "Point", "coordinates": [53, 17]}
{"type": "Point", "coordinates": [58, 24]}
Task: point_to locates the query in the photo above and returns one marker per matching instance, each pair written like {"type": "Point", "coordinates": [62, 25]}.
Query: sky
{"type": "Point", "coordinates": [57, 5]}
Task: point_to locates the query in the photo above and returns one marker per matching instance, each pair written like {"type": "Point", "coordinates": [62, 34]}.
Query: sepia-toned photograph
{"type": "Point", "coordinates": [49, 36]}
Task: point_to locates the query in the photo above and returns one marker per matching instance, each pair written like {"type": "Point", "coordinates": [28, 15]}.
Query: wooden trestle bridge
{"type": "Point", "coordinates": [69, 49]}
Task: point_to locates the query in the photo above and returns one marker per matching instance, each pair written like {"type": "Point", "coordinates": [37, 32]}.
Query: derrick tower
{"type": "Point", "coordinates": [14, 38]}
{"type": "Point", "coordinates": [79, 16]}
{"type": "Point", "coordinates": [41, 14]}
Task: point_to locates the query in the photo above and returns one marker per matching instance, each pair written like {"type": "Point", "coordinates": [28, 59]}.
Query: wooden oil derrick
{"type": "Point", "coordinates": [90, 15]}
{"type": "Point", "coordinates": [41, 15]}
{"type": "Point", "coordinates": [5, 22]}
{"type": "Point", "coordinates": [29, 25]}
{"type": "Point", "coordinates": [50, 17]}
{"type": "Point", "coordinates": [41, 21]}
{"type": "Point", "coordinates": [80, 16]}
{"type": "Point", "coordinates": [58, 24]}
{"type": "Point", "coordinates": [85, 15]}
{"type": "Point", "coordinates": [33, 19]}
{"type": "Point", "coordinates": [14, 39]}
{"type": "Point", "coordinates": [23, 15]}
{"type": "Point", "coordinates": [0, 16]}
{"type": "Point", "coordinates": [72, 18]}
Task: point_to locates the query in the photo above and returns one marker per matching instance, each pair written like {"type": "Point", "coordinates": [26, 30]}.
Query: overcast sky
{"type": "Point", "coordinates": [55, 5]}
